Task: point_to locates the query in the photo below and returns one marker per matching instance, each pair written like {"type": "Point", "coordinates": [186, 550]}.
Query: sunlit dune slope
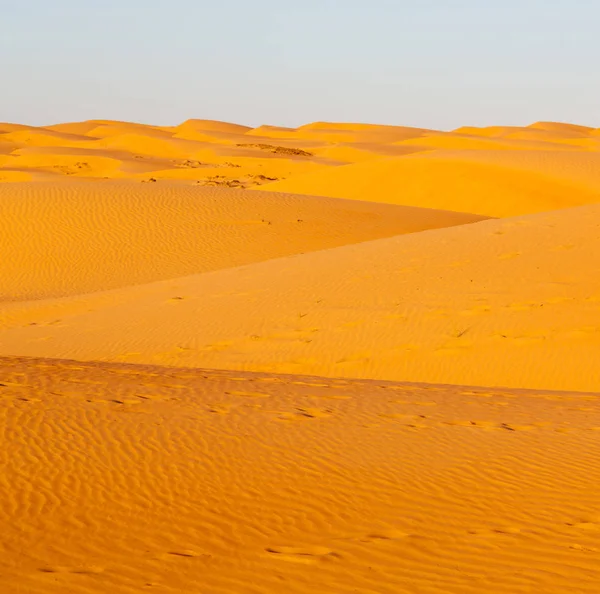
{"type": "Point", "coordinates": [43, 137]}
{"type": "Point", "coordinates": [500, 303]}
{"type": "Point", "coordinates": [130, 479]}
{"type": "Point", "coordinates": [215, 153]}
{"type": "Point", "coordinates": [201, 152]}
{"type": "Point", "coordinates": [494, 185]}
{"type": "Point", "coordinates": [77, 238]}
{"type": "Point", "coordinates": [581, 169]}
{"type": "Point", "coordinates": [210, 126]}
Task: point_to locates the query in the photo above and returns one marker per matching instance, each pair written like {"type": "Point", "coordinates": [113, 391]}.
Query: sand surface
{"type": "Point", "coordinates": [134, 478]}
{"type": "Point", "coordinates": [376, 372]}
{"type": "Point", "coordinates": [82, 238]}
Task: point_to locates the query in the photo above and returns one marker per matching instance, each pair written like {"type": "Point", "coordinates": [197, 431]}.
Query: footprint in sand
{"type": "Point", "coordinates": [305, 413]}
{"type": "Point", "coordinates": [315, 413]}
{"type": "Point", "coordinates": [83, 569]}
{"type": "Point", "coordinates": [382, 535]}
{"type": "Point", "coordinates": [587, 523]}
{"type": "Point", "coordinates": [311, 554]}
{"type": "Point", "coordinates": [182, 553]}
{"type": "Point", "coordinates": [488, 425]}
{"type": "Point", "coordinates": [494, 532]}
{"type": "Point", "coordinates": [220, 409]}
{"type": "Point", "coordinates": [127, 401]}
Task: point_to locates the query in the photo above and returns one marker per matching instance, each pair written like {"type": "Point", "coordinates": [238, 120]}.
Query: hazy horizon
{"type": "Point", "coordinates": [388, 62]}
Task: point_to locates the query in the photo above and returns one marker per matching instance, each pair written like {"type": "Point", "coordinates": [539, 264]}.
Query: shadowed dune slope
{"type": "Point", "coordinates": [493, 185]}
{"type": "Point", "coordinates": [511, 302]}
{"type": "Point", "coordinates": [79, 238]}
{"type": "Point", "coordinates": [131, 478]}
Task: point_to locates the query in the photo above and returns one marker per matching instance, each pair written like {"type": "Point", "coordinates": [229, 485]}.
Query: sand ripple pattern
{"type": "Point", "coordinates": [125, 478]}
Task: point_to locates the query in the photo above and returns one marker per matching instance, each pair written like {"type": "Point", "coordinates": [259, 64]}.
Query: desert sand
{"type": "Point", "coordinates": [336, 358]}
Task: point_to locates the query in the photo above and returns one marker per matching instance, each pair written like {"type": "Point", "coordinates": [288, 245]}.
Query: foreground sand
{"type": "Point", "coordinates": [131, 479]}
{"type": "Point", "coordinates": [205, 388]}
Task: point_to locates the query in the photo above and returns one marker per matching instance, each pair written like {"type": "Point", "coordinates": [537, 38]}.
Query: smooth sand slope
{"type": "Point", "coordinates": [510, 302]}
{"type": "Point", "coordinates": [496, 184]}
{"type": "Point", "coordinates": [80, 238]}
{"type": "Point", "coordinates": [131, 479]}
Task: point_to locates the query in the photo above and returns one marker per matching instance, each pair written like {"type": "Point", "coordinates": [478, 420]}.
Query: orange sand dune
{"type": "Point", "coordinates": [562, 128]}
{"type": "Point", "coordinates": [451, 181]}
{"type": "Point", "coordinates": [457, 141]}
{"type": "Point", "coordinates": [210, 126]}
{"type": "Point", "coordinates": [512, 302]}
{"type": "Point", "coordinates": [271, 131]}
{"type": "Point", "coordinates": [543, 129]}
{"type": "Point", "coordinates": [12, 175]}
{"type": "Point", "coordinates": [43, 137]}
{"type": "Point", "coordinates": [80, 128]}
{"type": "Point", "coordinates": [192, 151]}
{"type": "Point", "coordinates": [108, 129]}
{"type": "Point", "coordinates": [126, 164]}
{"type": "Point", "coordinates": [163, 147]}
{"type": "Point", "coordinates": [7, 127]}
{"type": "Point", "coordinates": [356, 152]}
{"type": "Point", "coordinates": [573, 167]}
{"type": "Point", "coordinates": [81, 238]}
{"type": "Point", "coordinates": [102, 128]}
{"type": "Point", "coordinates": [130, 479]}
{"type": "Point", "coordinates": [204, 388]}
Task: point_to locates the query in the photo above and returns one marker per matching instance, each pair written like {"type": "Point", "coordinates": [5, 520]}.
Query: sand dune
{"type": "Point", "coordinates": [205, 388]}
{"type": "Point", "coordinates": [512, 302]}
{"type": "Point", "coordinates": [85, 238]}
{"type": "Point", "coordinates": [286, 154]}
{"type": "Point", "coordinates": [453, 181]}
{"type": "Point", "coordinates": [131, 478]}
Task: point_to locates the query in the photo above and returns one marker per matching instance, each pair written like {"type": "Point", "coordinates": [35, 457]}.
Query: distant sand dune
{"type": "Point", "coordinates": [330, 144]}
{"type": "Point", "coordinates": [458, 181]}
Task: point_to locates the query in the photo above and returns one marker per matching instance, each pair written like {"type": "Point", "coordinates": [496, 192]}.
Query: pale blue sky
{"type": "Point", "coordinates": [432, 63]}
